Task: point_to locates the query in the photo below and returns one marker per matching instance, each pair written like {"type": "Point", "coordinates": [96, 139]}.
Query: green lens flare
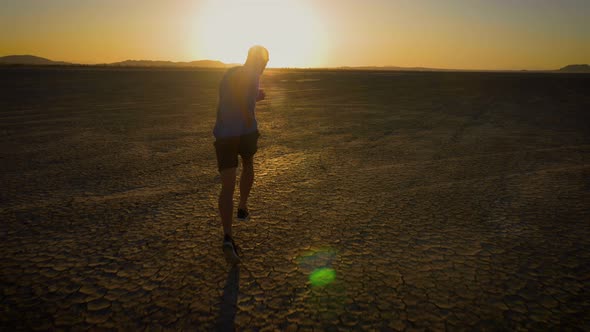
{"type": "Point", "coordinates": [322, 276]}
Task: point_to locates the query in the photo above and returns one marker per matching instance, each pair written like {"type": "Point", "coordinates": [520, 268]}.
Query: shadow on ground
{"type": "Point", "coordinates": [229, 301]}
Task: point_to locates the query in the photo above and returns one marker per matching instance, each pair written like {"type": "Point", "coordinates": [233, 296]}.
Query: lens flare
{"type": "Point", "coordinates": [318, 263]}
{"type": "Point", "coordinates": [322, 277]}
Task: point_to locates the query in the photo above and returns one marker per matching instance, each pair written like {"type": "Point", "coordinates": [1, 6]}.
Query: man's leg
{"type": "Point", "coordinates": [246, 181]}
{"type": "Point", "coordinates": [226, 198]}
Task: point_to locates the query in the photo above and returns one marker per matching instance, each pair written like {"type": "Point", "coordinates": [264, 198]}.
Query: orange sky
{"type": "Point", "coordinates": [467, 34]}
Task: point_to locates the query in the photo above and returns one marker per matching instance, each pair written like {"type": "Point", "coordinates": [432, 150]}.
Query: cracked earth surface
{"type": "Point", "coordinates": [439, 200]}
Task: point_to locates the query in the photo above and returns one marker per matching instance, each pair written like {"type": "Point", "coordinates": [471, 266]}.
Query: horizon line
{"type": "Point", "coordinates": [368, 67]}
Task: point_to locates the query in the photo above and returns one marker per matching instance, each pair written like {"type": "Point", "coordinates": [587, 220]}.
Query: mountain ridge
{"type": "Point", "coordinates": [580, 68]}
{"type": "Point", "coordinates": [157, 63]}
{"type": "Point", "coordinates": [28, 59]}
{"type": "Point", "coordinates": [36, 60]}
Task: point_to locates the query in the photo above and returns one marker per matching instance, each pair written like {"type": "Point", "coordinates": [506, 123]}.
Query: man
{"type": "Point", "coordinates": [236, 133]}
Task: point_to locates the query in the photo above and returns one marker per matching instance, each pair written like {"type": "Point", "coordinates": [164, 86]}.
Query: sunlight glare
{"type": "Point", "coordinates": [287, 28]}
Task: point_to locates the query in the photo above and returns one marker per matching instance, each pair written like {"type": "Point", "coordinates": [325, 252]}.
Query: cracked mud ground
{"type": "Point", "coordinates": [439, 200]}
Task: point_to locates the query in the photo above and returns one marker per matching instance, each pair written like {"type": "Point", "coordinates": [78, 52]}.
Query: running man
{"type": "Point", "coordinates": [236, 133]}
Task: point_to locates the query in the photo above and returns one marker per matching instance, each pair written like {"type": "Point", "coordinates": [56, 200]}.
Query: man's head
{"type": "Point", "coordinates": [257, 58]}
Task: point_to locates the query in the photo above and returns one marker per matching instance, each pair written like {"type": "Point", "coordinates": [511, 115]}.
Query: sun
{"type": "Point", "coordinates": [226, 29]}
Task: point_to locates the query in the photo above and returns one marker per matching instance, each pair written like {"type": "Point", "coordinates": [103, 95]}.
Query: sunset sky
{"type": "Point", "coordinates": [462, 34]}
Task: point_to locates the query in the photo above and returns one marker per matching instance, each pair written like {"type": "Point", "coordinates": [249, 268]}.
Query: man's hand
{"type": "Point", "coordinates": [261, 95]}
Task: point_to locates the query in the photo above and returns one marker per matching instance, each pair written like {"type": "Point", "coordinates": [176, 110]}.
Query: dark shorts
{"type": "Point", "coordinates": [228, 149]}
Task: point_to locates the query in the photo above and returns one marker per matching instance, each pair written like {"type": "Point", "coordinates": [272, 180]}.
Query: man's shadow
{"type": "Point", "coordinates": [229, 301]}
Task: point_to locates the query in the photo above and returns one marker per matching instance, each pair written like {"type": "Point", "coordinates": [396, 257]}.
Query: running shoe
{"type": "Point", "coordinates": [230, 251]}
{"type": "Point", "coordinates": [243, 215]}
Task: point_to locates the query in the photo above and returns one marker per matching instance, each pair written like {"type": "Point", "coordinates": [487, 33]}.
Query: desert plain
{"type": "Point", "coordinates": [382, 201]}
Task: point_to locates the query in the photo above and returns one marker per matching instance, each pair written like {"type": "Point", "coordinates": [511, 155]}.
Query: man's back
{"type": "Point", "coordinates": [238, 91]}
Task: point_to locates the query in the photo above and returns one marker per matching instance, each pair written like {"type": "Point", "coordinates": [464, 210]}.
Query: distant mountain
{"type": "Point", "coordinates": [576, 69]}
{"type": "Point", "coordinates": [28, 60]}
{"type": "Point", "coordinates": [394, 68]}
{"type": "Point", "coordinates": [35, 60]}
{"type": "Point", "coordinates": [151, 63]}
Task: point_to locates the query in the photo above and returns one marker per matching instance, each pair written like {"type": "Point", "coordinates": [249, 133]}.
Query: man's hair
{"type": "Point", "coordinates": [257, 52]}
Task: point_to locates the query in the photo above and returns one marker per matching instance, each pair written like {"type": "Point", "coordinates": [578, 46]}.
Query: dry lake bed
{"type": "Point", "coordinates": [382, 201]}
